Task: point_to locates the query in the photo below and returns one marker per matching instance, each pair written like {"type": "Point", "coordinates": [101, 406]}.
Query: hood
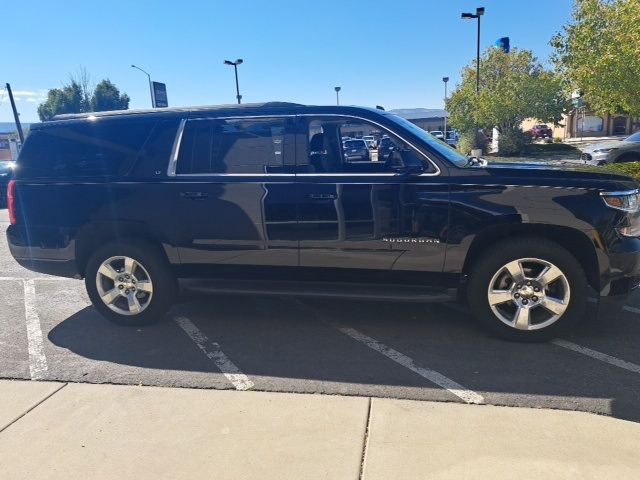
{"type": "Point", "coordinates": [607, 144]}
{"type": "Point", "coordinates": [576, 176]}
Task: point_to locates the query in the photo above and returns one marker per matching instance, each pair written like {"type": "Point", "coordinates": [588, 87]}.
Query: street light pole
{"type": "Point", "coordinates": [235, 68]}
{"type": "Point", "coordinates": [466, 16]}
{"type": "Point", "coordinates": [445, 80]}
{"type": "Point", "coordinates": [153, 101]}
{"type": "Point", "coordinates": [337, 89]}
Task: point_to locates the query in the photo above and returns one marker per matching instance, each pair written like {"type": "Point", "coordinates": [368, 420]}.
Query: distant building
{"type": "Point", "coordinates": [6, 150]}
{"type": "Point", "coordinates": [426, 118]}
{"type": "Point", "coordinates": [588, 124]}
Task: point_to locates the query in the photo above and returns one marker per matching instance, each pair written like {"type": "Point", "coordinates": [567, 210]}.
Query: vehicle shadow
{"type": "Point", "coordinates": [284, 344]}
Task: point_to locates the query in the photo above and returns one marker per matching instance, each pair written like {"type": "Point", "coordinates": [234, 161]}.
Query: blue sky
{"type": "Point", "coordinates": [386, 53]}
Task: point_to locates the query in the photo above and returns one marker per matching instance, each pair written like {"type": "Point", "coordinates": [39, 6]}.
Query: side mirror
{"type": "Point", "coordinates": [478, 162]}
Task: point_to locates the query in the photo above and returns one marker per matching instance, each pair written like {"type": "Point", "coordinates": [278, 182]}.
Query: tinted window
{"type": "Point", "coordinates": [102, 147]}
{"type": "Point", "coordinates": [326, 153]}
{"type": "Point", "coordinates": [442, 148]}
{"type": "Point", "coordinates": [154, 157]}
{"type": "Point", "coordinates": [232, 146]}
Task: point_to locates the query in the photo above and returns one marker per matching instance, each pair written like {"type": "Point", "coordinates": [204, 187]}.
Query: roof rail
{"type": "Point", "coordinates": [233, 106]}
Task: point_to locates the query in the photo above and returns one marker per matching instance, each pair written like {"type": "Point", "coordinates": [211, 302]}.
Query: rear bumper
{"type": "Point", "coordinates": [43, 257]}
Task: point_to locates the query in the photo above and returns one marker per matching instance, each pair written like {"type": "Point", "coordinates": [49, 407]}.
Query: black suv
{"type": "Point", "coordinates": [262, 199]}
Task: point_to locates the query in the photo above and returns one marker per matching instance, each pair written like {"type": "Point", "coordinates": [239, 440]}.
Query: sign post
{"type": "Point", "coordinates": [159, 95]}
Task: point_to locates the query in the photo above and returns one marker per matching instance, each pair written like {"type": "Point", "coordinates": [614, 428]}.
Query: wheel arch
{"type": "Point", "coordinates": [575, 241]}
{"type": "Point", "coordinates": [94, 235]}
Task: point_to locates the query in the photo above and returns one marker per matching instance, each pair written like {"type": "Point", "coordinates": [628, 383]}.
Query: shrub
{"type": "Point", "coordinates": [557, 140]}
{"type": "Point", "coordinates": [549, 148]}
{"type": "Point", "coordinates": [512, 142]}
{"type": "Point", "coordinates": [465, 142]}
{"type": "Point", "coordinates": [632, 169]}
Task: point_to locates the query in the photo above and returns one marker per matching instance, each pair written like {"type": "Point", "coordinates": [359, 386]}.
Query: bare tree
{"type": "Point", "coordinates": [83, 79]}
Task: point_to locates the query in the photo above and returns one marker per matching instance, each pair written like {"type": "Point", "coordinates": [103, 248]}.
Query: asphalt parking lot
{"type": "Point", "coordinates": [49, 331]}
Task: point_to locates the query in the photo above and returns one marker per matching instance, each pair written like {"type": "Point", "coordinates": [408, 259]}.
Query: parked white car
{"type": "Point", "coordinates": [614, 151]}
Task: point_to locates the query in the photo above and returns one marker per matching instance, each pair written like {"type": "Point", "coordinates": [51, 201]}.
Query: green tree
{"type": "Point", "coordinates": [513, 86]}
{"type": "Point", "coordinates": [106, 96]}
{"type": "Point", "coordinates": [597, 52]}
{"type": "Point", "coordinates": [68, 99]}
{"type": "Point", "coordinates": [78, 96]}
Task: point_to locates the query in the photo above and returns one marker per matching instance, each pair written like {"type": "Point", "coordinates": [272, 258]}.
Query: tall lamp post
{"type": "Point", "coordinates": [153, 102]}
{"type": "Point", "coordinates": [235, 67]}
{"type": "Point", "coordinates": [337, 89]}
{"type": "Point", "coordinates": [445, 80]}
{"type": "Point", "coordinates": [468, 16]}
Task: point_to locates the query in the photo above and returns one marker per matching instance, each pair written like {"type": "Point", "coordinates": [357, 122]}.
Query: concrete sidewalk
{"type": "Point", "coordinates": [83, 431]}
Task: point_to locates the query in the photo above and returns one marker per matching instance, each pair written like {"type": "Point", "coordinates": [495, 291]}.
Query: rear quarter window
{"type": "Point", "coordinates": [103, 147]}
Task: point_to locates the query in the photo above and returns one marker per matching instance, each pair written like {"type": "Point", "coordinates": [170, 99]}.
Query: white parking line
{"type": "Point", "coordinates": [458, 390]}
{"type": "Point", "coordinates": [603, 357]}
{"type": "Point", "coordinates": [37, 361]}
{"type": "Point", "coordinates": [212, 351]}
{"type": "Point", "coordinates": [59, 279]}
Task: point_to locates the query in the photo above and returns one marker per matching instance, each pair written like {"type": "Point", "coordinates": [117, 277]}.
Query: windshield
{"type": "Point", "coordinates": [439, 146]}
{"type": "Point", "coordinates": [634, 138]}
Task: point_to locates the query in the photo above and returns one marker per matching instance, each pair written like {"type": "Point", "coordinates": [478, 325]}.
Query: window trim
{"type": "Point", "coordinates": [173, 161]}
{"type": "Point", "coordinates": [175, 150]}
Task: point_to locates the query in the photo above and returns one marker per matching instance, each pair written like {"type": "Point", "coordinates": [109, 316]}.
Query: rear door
{"type": "Point", "coordinates": [233, 192]}
{"type": "Point", "coordinates": [366, 214]}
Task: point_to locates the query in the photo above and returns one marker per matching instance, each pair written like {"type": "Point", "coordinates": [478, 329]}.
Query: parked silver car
{"type": "Point", "coordinates": [613, 151]}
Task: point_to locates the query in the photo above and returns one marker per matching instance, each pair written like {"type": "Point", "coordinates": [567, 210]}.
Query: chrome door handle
{"type": "Point", "coordinates": [321, 196]}
{"type": "Point", "coordinates": [194, 195]}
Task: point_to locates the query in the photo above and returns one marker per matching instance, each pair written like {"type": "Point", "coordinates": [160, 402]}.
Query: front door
{"type": "Point", "coordinates": [360, 210]}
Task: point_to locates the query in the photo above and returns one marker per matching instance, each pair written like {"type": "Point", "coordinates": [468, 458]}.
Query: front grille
{"type": "Point", "coordinates": [586, 156]}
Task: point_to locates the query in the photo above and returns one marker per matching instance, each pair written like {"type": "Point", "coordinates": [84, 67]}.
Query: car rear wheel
{"type": "Point", "coordinates": [130, 283]}
{"type": "Point", "coordinates": [529, 289]}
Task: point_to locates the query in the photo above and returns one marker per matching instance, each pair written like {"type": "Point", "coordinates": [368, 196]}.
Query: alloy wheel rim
{"type": "Point", "coordinates": [529, 294]}
{"type": "Point", "coordinates": [124, 285]}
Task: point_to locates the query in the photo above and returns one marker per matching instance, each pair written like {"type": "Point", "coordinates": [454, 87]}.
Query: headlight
{"type": "Point", "coordinates": [626, 201]}
{"type": "Point", "coordinates": [605, 150]}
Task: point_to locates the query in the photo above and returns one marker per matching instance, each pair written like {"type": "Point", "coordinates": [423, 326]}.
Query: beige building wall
{"type": "Point", "coordinates": [5, 149]}
{"type": "Point", "coordinates": [559, 131]}
{"type": "Point", "coordinates": [589, 124]}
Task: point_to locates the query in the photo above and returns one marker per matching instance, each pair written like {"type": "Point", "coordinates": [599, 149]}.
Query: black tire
{"type": "Point", "coordinates": [499, 255]}
{"type": "Point", "coordinates": [152, 259]}
{"type": "Point", "coordinates": [628, 158]}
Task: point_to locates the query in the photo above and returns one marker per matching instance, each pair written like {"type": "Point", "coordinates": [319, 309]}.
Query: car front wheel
{"type": "Point", "coordinates": [528, 289]}
{"type": "Point", "coordinates": [130, 283]}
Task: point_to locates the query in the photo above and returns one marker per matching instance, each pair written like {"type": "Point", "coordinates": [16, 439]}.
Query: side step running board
{"type": "Point", "coordinates": [404, 293]}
